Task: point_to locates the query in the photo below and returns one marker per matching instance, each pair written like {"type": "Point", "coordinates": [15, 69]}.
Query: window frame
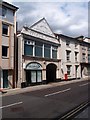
{"type": "Point", "coordinates": [68, 55]}
{"type": "Point", "coordinates": [47, 47]}
{"type": "Point", "coordinates": [54, 49]}
{"type": "Point", "coordinates": [40, 46]}
{"type": "Point", "coordinates": [76, 45]}
{"type": "Point", "coordinates": [4, 11]}
{"type": "Point", "coordinates": [3, 51]}
{"type": "Point", "coordinates": [83, 57]}
{"type": "Point", "coordinates": [67, 43]}
{"type": "Point", "coordinates": [69, 70]}
{"type": "Point", "coordinates": [4, 29]}
{"type": "Point", "coordinates": [76, 56]}
{"type": "Point", "coordinates": [28, 43]}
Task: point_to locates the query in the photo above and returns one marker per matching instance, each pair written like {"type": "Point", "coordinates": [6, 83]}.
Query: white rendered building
{"type": "Point", "coordinates": [70, 57]}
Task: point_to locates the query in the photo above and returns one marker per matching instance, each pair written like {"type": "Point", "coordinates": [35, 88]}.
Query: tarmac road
{"type": "Point", "coordinates": [45, 103]}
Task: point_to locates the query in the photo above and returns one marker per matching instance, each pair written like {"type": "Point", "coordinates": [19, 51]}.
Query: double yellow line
{"type": "Point", "coordinates": [72, 113]}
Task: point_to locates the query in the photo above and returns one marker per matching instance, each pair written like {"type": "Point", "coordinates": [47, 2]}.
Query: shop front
{"type": "Point", "coordinates": [33, 73]}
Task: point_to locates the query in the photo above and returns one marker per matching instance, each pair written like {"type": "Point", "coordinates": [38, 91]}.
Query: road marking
{"type": "Point", "coordinates": [83, 84]}
{"type": "Point", "coordinates": [57, 92]}
{"type": "Point", "coordinates": [11, 105]}
{"type": "Point", "coordinates": [70, 114]}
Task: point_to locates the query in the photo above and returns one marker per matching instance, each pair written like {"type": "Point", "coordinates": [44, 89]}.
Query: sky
{"type": "Point", "coordinates": [64, 17]}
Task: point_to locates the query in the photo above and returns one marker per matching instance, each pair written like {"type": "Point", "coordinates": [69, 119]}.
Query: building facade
{"type": "Point", "coordinates": [84, 56]}
{"type": "Point", "coordinates": [38, 55]}
{"type": "Point", "coordinates": [75, 56]}
{"type": "Point", "coordinates": [7, 39]}
{"type": "Point", "coordinates": [70, 57]}
{"type": "Point", "coordinates": [45, 57]}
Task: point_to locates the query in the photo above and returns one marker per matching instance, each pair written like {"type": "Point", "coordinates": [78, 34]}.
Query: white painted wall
{"type": "Point", "coordinates": [64, 62]}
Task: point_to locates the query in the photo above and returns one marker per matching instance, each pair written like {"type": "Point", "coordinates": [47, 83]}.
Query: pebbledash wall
{"type": "Point", "coordinates": [38, 55]}
{"type": "Point", "coordinates": [7, 33]}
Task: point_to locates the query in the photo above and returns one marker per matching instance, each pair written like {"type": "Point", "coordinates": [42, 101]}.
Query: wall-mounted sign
{"type": "Point", "coordinates": [34, 66]}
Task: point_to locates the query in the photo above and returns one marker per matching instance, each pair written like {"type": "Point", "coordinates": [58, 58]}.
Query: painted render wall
{"type": "Point", "coordinates": [20, 64]}
{"type": "Point", "coordinates": [72, 62]}
{"type": "Point", "coordinates": [23, 62]}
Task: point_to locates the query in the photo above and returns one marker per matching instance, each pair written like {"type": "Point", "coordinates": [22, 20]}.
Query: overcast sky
{"type": "Point", "coordinates": [68, 18]}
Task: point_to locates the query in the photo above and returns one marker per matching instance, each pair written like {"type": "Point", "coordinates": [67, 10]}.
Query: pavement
{"type": "Point", "coordinates": [8, 92]}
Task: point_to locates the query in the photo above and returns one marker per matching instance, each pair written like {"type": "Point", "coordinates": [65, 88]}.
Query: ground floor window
{"type": "Point", "coordinates": [33, 73]}
{"type": "Point", "coordinates": [39, 76]}
{"type": "Point", "coordinates": [68, 69]}
{"type": "Point", "coordinates": [33, 76]}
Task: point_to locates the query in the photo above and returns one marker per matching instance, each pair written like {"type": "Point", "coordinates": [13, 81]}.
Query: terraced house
{"type": "Point", "coordinates": [44, 56]}
{"type": "Point", "coordinates": [75, 56]}
{"type": "Point", "coordinates": [70, 57]}
{"type": "Point", "coordinates": [7, 39]}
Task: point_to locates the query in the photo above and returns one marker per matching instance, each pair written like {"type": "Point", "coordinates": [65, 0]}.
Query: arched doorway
{"type": "Point", "coordinates": [51, 72]}
{"type": "Point", "coordinates": [33, 73]}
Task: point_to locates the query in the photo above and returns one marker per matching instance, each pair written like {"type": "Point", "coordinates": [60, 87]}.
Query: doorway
{"type": "Point", "coordinates": [51, 73]}
{"type": "Point", "coordinates": [5, 78]}
{"type": "Point", "coordinates": [76, 71]}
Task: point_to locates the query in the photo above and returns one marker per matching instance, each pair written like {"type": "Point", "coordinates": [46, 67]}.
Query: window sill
{"type": "Point", "coordinates": [5, 35]}
{"type": "Point", "coordinates": [68, 46]}
{"type": "Point", "coordinates": [69, 75]}
{"type": "Point", "coordinates": [4, 16]}
{"type": "Point", "coordinates": [76, 61]}
{"type": "Point", "coordinates": [69, 61]}
{"type": "Point", "coordinates": [3, 57]}
{"type": "Point", "coordinates": [42, 58]}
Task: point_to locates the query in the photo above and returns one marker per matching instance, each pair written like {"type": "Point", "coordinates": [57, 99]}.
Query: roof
{"type": "Point", "coordinates": [8, 5]}
{"type": "Point", "coordinates": [43, 27]}
{"type": "Point", "coordinates": [39, 22]}
{"type": "Point", "coordinates": [36, 22]}
{"type": "Point", "coordinates": [79, 38]}
{"type": "Point", "coordinates": [61, 35]}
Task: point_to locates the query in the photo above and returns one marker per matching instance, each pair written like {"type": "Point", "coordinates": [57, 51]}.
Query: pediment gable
{"type": "Point", "coordinates": [43, 27]}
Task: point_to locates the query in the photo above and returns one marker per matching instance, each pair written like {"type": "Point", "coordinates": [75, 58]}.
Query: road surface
{"type": "Point", "coordinates": [45, 103]}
